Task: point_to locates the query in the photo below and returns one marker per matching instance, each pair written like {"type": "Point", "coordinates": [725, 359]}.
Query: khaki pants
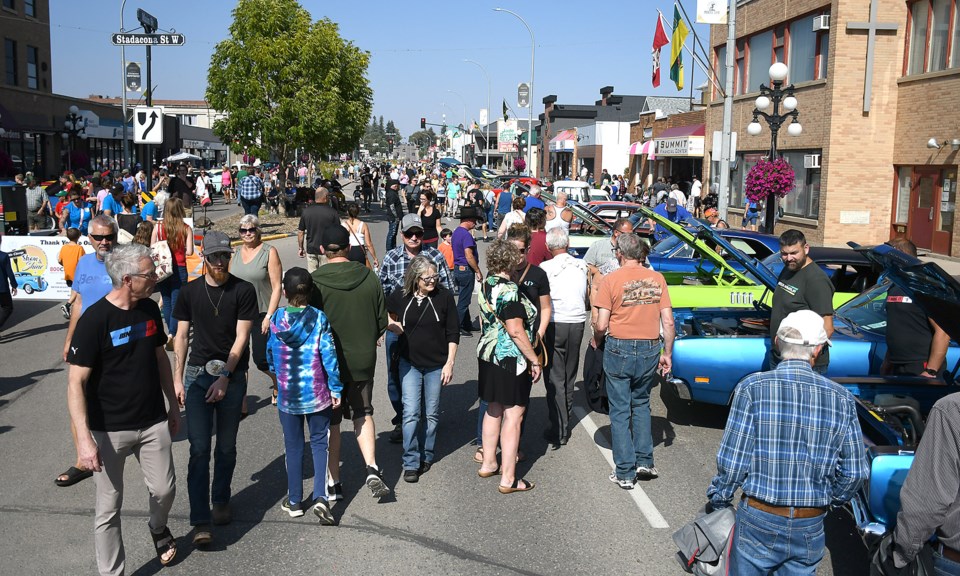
{"type": "Point", "coordinates": [315, 261]}
{"type": "Point", "coordinates": [152, 448]}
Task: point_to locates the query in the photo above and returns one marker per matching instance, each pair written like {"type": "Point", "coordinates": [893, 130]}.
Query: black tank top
{"type": "Point", "coordinates": [430, 225]}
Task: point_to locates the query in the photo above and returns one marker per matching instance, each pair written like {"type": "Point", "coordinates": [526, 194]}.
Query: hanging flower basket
{"type": "Point", "coordinates": [768, 178]}
{"type": "Point", "coordinates": [519, 164]}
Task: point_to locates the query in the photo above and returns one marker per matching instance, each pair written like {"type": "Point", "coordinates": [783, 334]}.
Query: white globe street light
{"type": "Point", "coordinates": [762, 103]}
{"type": "Point", "coordinates": [754, 128]}
{"type": "Point", "coordinates": [778, 71]}
{"type": "Point", "coordinates": [789, 103]}
{"type": "Point", "coordinates": [794, 129]}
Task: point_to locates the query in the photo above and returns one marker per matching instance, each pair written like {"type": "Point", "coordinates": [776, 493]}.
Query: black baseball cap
{"type": "Point", "coordinates": [335, 238]}
{"type": "Point", "coordinates": [671, 204]}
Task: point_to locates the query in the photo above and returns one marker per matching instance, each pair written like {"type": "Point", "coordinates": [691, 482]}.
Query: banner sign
{"type": "Point", "coordinates": [34, 260]}
{"type": "Point", "coordinates": [684, 146]}
{"type": "Point", "coordinates": [711, 12]}
{"type": "Point", "coordinates": [507, 136]}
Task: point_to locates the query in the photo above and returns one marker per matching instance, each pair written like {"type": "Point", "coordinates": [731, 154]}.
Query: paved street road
{"type": "Point", "coordinates": [451, 522]}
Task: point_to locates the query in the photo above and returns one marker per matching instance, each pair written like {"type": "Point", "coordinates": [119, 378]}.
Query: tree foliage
{"type": "Point", "coordinates": [286, 82]}
{"type": "Point", "coordinates": [377, 135]}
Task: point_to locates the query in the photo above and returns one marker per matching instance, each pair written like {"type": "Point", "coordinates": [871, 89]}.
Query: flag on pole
{"type": "Point", "coordinates": [676, 48]}
{"type": "Point", "coordinates": [505, 117]}
{"type": "Point", "coordinates": [659, 41]}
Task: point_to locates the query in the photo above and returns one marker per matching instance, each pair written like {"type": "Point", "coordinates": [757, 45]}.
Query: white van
{"type": "Point", "coordinates": [579, 191]}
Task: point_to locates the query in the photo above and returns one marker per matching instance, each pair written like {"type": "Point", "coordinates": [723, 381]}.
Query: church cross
{"type": "Point", "coordinates": [872, 27]}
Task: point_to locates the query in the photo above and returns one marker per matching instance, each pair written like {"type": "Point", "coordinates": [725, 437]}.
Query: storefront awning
{"type": "Point", "coordinates": [564, 141]}
{"type": "Point", "coordinates": [684, 141]}
{"type": "Point", "coordinates": [681, 131]}
{"type": "Point", "coordinates": [643, 148]}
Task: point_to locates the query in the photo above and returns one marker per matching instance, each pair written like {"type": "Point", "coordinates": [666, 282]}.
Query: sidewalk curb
{"type": "Point", "coordinates": [266, 238]}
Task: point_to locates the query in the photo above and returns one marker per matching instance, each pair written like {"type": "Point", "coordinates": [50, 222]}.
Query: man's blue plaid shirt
{"type": "Point", "coordinates": [250, 187]}
{"type": "Point", "coordinates": [395, 263]}
{"type": "Point", "coordinates": [792, 439]}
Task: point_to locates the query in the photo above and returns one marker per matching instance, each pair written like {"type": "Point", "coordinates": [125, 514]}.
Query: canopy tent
{"type": "Point", "coordinates": [181, 156]}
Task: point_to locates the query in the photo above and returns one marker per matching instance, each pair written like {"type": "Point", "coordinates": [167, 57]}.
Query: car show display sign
{"type": "Point", "coordinates": [507, 136]}
{"type": "Point", "coordinates": [35, 264]}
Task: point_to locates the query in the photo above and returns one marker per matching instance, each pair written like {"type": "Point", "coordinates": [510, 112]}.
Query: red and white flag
{"type": "Point", "coordinates": [660, 40]}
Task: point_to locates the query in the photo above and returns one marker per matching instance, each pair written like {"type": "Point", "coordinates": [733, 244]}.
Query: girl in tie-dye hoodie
{"type": "Point", "coordinates": [301, 352]}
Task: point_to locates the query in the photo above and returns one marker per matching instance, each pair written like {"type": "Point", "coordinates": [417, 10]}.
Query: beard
{"type": "Point", "coordinates": [219, 276]}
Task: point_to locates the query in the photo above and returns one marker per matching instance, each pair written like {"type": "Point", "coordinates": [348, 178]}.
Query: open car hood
{"type": "Point", "coordinates": [750, 263]}
{"type": "Point", "coordinates": [581, 212]}
{"type": "Point", "coordinates": [700, 246]}
{"type": "Point", "coordinates": [926, 283]}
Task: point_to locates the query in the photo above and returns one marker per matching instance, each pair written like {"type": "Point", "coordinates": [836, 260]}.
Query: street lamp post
{"type": "Point", "coordinates": [486, 128]}
{"type": "Point", "coordinates": [123, 92]}
{"type": "Point", "coordinates": [533, 46]}
{"type": "Point", "coordinates": [75, 125]}
{"type": "Point", "coordinates": [776, 95]}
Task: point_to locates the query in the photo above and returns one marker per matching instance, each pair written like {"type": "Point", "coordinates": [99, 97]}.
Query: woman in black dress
{"type": "Point", "coordinates": [430, 217]}
{"type": "Point", "coordinates": [508, 365]}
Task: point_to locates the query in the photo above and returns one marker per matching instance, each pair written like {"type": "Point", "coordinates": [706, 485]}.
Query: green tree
{"type": "Point", "coordinates": [286, 82]}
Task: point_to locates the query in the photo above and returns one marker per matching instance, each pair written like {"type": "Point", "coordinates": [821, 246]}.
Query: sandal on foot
{"type": "Point", "coordinates": [202, 535]}
{"type": "Point", "coordinates": [516, 486]}
{"type": "Point", "coordinates": [487, 474]}
{"type": "Point", "coordinates": [273, 397]}
{"type": "Point", "coordinates": [165, 543]}
{"type": "Point", "coordinates": [478, 455]}
{"type": "Point", "coordinates": [71, 476]}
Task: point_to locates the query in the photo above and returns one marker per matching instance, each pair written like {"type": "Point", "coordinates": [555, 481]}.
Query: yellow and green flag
{"type": "Point", "coordinates": [676, 48]}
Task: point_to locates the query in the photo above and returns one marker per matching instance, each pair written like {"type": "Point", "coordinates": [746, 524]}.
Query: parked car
{"type": "Point", "coordinates": [30, 283]}
{"type": "Point", "coordinates": [715, 348]}
{"type": "Point", "coordinates": [610, 211]}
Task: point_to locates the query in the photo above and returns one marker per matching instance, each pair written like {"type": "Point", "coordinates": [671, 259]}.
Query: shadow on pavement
{"type": "Point", "coordinates": [21, 334]}
{"type": "Point", "coordinates": [685, 413]}
{"type": "Point", "coordinates": [9, 385]}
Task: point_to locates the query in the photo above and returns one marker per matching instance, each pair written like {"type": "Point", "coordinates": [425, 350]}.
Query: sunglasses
{"type": "Point", "coordinates": [248, 230]}
{"type": "Point", "coordinates": [146, 276]}
{"type": "Point", "coordinates": [102, 237]}
{"type": "Point", "coordinates": [430, 279]}
{"type": "Point", "coordinates": [413, 234]}
{"type": "Point", "coordinates": [218, 257]}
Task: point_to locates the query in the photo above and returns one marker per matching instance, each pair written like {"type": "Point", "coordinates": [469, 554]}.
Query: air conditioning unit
{"type": "Point", "coordinates": [821, 22]}
{"type": "Point", "coordinates": [811, 160]}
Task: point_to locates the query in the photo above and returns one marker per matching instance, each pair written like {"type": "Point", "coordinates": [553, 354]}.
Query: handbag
{"type": "Point", "coordinates": [162, 258]}
{"type": "Point", "coordinates": [539, 348]}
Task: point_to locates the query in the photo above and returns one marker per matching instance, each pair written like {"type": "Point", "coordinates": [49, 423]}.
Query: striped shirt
{"type": "Point", "coordinates": [930, 498]}
{"type": "Point", "coordinates": [395, 266]}
{"type": "Point", "coordinates": [250, 188]}
{"type": "Point", "coordinates": [792, 439]}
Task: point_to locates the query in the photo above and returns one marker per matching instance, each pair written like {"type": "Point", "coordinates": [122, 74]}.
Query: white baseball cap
{"type": "Point", "coordinates": [810, 326]}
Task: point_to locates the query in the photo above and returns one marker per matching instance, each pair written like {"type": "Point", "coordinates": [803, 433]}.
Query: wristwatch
{"type": "Point", "coordinates": [930, 371]}
{"type": "Point", "coordinates": [226, 373]}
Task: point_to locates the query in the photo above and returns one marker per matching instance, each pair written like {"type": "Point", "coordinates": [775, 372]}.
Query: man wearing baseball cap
{"type": "Point", "coordinates": [212, 382]}
{"type": "Point", "coordinates": [713, 217]}
{"type": "Point", "coordinates": [672, 211]}
{"type": "Point", "coordinates": [793, 444]}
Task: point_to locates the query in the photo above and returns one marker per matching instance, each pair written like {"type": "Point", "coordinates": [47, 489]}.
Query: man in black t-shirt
{"type": "Point", "coordinates": [394, 212]}
{"type": "Point", "coordinates": [118, 376]}
{"type": "Point", "coordinates": [182, 186]}
{"type": "Point", "coordinates": [366, 188]}
{"type": "Point", "coordinates": [916, 345]}
{"type": "Point", "coordinates": [212, 382]}
{"type": "Point", "coordinates": [313, 221]}
{"type": "Point", "coordinates": [802, 285]}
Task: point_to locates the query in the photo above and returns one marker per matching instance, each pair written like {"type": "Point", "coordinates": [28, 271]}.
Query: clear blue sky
{"type": "Point", "coordinates": [417, 50]}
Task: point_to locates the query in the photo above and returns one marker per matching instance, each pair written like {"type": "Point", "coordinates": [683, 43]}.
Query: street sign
{"type": "Point", "coordinates": [133, 76]}
{"type": "Point", "coordinates": [523, 95]}
{"type": "Point", "coordinates": [125, 39]}
{"type": "Point", "coordinates": [148, 125]}
{"type": "Point", "coordinates": [148, 20]}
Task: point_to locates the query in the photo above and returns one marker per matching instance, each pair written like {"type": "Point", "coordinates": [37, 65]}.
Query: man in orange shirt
{"type": "Point", "coordinates": [70, 254]}
{"type": "Point", "coordinates": [635, 316]}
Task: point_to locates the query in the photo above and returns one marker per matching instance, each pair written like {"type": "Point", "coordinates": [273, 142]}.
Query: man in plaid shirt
{"type": "Point", "coordinates": [391, 277]}
{"type": "Point", "coordinates": [794, 445]}
{"type": "Point", "coordinates": [250, 191]}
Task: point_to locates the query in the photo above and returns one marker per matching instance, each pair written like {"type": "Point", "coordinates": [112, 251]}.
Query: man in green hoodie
{"type": "Point", "coordinates": [352, 298]}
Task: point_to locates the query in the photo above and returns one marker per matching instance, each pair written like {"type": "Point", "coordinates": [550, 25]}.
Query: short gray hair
{"type": "Point", "coordinates": [124, 260]}
{"type": "Point", "coordinates": [250, 219]}
{"type": "Point", "coordinates": [632, 247]}
{"type": "Point", "coordinates": [104, 220]}
{"type": "Point", "coordinates": [558, 238]}
{"type": "Point", "coordinates": [790, 351]}
{"type": "Point", "coordinates": [534, 190]}
{"type": "Point", "coordinates": [415, 270]}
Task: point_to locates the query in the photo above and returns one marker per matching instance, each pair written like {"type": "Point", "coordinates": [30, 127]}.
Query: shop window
{"type": "Point", "coordinates": [10, 56]}
{"type": "Point", "coordinates": [803, 51]}
{"type": "Point", "coordinates": [804, 201]}
{"type": "Point", "coordinates": [32, 57]}
{"type": "Point", "coordinates": [902, 214]}
{"type": "Point", "coordinates": [761, 54]}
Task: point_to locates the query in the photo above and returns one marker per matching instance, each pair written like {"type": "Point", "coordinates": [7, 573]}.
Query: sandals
{"type": "Point", "coordinates": [165, 543]}
{"type": "Point", "coordinates": [273, 396]}
{"type": "Point", "coordinates": [478, 455]}
{"type": "Point", "coordinates": [516, 487]}
{"type": "Point", "coordinates": [202, 535]}
{"type": "Point", "coordinates": [487, 474]}
{"type": "Point", "coordinates": [73, 475]}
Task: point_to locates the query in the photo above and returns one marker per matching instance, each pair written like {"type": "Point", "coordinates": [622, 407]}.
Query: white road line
{"type": "Point", "coordinates": [640, 498]}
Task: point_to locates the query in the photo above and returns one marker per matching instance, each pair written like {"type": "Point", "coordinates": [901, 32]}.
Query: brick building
{"type": "Point", "coordinates": [864, 168]}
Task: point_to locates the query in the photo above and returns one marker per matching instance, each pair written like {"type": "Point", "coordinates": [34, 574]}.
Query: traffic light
{"type": "Point", "coordinates": [423, 123]}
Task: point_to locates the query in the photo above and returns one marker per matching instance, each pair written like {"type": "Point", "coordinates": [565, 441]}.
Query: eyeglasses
{"type": "Point", "coordinates": [248, 230]}
{"type": "Point", "coordinates": [147, 276]}
{"type": "Point", "coordinates": [430, 279]}
{"type": "Point", "coordinates": [412, 234]}
{"type": "Point", "coordinates": [218, 257]}
{"type": "Point", "coordinates": [102, 237]}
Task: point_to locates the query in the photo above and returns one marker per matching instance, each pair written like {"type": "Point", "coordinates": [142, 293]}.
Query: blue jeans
{"type": "Point", "coordinates": [392, 227]}
{"type": "Point", "coordinates": [490, 218]}
{"type": "Point", "coordinates": [944, 566]}
{"type": "Point", "coordinates": [170, 290]}
{"type": "Point", "coordinates": [630, 366]}
{"type": "Point", "coordinates": [201, 418]}
{"type": "Point", "coordinates": [419, 385]}
{"type": "Point", "coordinates": [318, 424]}
{"type": "Point", "coordinates": [464, 281]}
{"type": "Point", "coordinates": [764, 543]}
{"type": "Point", "coordinates": [251, 206]}
{"type": "Point", "coordinates": [390, 343]}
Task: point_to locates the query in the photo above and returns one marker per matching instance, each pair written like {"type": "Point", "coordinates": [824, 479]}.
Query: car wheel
{"type": "Point", "coordinates": [28, 289]}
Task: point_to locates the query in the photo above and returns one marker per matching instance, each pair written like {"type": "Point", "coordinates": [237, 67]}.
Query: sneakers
{"type": "Point", "coordinates": [222, 514]}
{"type": "Point", "coordinates": [411, 476]}
{"type": "Point", "coordinates": [169, 345]}
{"type": "Point", "coordinates": [334, 493]}
{"type": "Point", "coordinates": [644, 473]}
{"type": "Point", "coordinates": [295, 511]}
{"type": "Point", "coordinates": [323, 513]}
{"type": "Point", "coordinates": [396, 437]}
{"type": "Point", "coordinates": [65, 310]}
{"type": "Point", "coordinates": [625, 484]}
{"type": "Point", "coordinates": [202, 535]}
{"type": "Point", "coordinates": [375, 482]}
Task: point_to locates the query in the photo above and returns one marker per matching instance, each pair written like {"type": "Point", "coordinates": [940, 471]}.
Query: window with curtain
{"type": "Point", "coordinates": [803, 50]}
{"type": "Point", "coordinates": [804, 200]}
{"type": "Point", "coordinates": [903, 194]}
{"type": "Point", "coordinates": [939, 33]}
{"type": "Point", "coordinates": [740, 69]}
{"type": "Point", "coordinates": [29, 8]}
{"type": "Point", "coordinates": [824, 52]}
{"type": "Point", "coordinates": [955, 60]}
{"type": "Point", "coordinates": [721, 68]}
{"type": "Point", "coordinates": [761, 52]}
{"type": "Point", "coordinates": [32, 59]}
{"type": "Point", "coordinates": [918, 36]}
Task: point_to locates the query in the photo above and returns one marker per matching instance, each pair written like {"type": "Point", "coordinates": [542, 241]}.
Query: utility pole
{"type": "Point", "coordinates": [149, 26]}
{"type": "Point", "coordinates": [723, 193]}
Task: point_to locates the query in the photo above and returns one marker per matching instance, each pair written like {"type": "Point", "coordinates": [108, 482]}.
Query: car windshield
{"type": "Point", "coordinates": [666, 246]}
{"type": "Point", "coordinates": [868, 311]}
